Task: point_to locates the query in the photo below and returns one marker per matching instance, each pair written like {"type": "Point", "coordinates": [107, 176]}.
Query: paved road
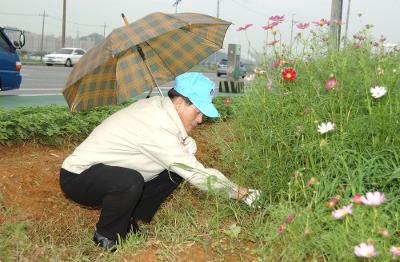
{"type": "Point", "coordinates": [50, 80]}
{"type": "Point", "coordinates": [42, 85]}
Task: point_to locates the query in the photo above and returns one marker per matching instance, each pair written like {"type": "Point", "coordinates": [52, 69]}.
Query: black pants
{"type": "Point", "coordinates": [122, 194]}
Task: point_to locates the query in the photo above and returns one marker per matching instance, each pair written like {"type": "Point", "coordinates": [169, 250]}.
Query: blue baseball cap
{"type": "Point", "coordinates": [199, 89]}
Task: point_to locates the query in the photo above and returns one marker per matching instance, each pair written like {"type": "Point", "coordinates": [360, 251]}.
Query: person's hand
{"type": "Point", "coordinates": [251, 197]}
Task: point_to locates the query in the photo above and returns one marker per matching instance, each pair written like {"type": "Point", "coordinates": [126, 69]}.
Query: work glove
{"type": "Point", "coordinates": [190, 145]}
{"type": "Point", "coordinates": [252, 197]}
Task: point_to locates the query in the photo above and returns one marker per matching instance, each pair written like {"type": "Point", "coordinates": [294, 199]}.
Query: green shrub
{"type": "Point", "coordinates": [56, 124]}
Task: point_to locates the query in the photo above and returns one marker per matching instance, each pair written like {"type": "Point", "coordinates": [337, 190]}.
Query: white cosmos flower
{"type": "Point", "coordinates": [378, 91]}
{"type": "Point", "coordinates": [373, 198]}
{"type": "Point", "coordinates": [365, 250]}
{"type": "Point", "coordinates": [250, 77]}
{"type": "Point", "coordinates": [326, 127]}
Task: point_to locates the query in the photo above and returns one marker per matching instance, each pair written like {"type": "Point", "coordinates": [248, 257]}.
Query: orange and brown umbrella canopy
{"type": "Point", "coordinates": [137, 57]}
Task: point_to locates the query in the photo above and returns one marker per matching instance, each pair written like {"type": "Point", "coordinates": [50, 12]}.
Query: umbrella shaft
{"type": "Point", "coordinates": [141, 53]}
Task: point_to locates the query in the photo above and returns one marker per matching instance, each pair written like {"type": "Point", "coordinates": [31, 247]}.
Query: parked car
{"type": "Point", "coordinates": [223, 65]}
{"type": "Point", "coordinates": [10, 65]}
{"type": "Point", "coordinates": [65, 56]}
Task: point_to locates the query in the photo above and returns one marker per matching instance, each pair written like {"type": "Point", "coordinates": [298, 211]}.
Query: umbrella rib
{"type": "Point", "coordinates": [205, 39]}
{"type": "Point", "coordinates": [166, 66]}
{"type": "Point", "coordinates": [189, 24]}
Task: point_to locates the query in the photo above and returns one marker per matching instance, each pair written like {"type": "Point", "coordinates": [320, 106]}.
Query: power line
{"type": "Point", "coordinates": [19, 14]}
{"type": "Point", "coordinates": [52, 17]}
{"type": "Point", "coordinates": [250, 9]}
{"type": "Point", "coordinates": [75, 23]}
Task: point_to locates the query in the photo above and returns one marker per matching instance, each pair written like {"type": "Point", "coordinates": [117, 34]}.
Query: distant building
{"type": "Point", "coordinates": [52, 43]}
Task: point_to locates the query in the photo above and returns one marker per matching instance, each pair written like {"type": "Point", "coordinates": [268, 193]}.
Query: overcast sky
{"type": "Point", "coordinates": [89, 16]}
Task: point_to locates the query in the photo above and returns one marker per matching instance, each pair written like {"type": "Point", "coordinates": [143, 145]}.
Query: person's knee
{"type": "Point", "coordinates": [129, 180]}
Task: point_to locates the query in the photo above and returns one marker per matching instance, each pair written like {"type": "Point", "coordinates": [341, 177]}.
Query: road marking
{"type": "Point", "coordinates": [40, 89]}
{"type": "Point", "coordinates": [58, 94]}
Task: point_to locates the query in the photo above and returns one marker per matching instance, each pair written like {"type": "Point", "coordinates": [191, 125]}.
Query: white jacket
{"type": "Point", "coordinates": [149, 137]}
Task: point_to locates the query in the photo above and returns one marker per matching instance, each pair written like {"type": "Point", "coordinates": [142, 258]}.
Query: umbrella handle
{"type": "Point", "coordinates": [124, 18]}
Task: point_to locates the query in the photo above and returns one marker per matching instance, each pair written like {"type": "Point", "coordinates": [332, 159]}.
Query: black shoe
{"type": "Point", "coordinates": [134, 227]}
{"type": "Point", "coordinates": [102, 241]}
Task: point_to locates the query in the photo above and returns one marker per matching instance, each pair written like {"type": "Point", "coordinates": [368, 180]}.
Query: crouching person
{"type": "Point", "coordinates": [136, 158]}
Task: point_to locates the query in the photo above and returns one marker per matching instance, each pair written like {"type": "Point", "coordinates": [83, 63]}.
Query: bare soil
{"type": "Point", "coordinates": [29, 176]}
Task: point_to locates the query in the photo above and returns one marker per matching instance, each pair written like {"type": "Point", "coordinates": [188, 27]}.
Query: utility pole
{"type": "Point", "coordinates": [291, 31]}
{"type": "Point", "coordinates": [63, 23]}
{"type": "Point", "coordinates": [104, 30]}
{"type": "Point", "coordinates": [215, 54]}
{"type": "Point", "coordinates": [347, 22]}
{"type": "Point", "coordinates": [218, 8]}
{"type": "Point", "coordinates": [336, 20]}
{"type": "Point", "coordinates": [41, 42]}
{"type": "Point", "coordinates": [176, 5]}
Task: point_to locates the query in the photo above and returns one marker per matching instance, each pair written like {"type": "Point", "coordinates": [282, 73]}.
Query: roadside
{"type": "Point", "coordinates": [38, 222]}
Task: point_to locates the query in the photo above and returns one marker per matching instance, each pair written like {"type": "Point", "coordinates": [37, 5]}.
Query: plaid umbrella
{"type": "Point", "coordinates": [139, 56]}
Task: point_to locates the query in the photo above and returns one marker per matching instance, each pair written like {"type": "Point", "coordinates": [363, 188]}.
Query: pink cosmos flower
{"type": "Point", "coordinates": [281, 229]}
{"type": "Point", "coordinates": [365, 250]}
{"type": "Point", "coordinates": [331, 82]}
{"type": "Point", "coordinates": [277, 18]}
{"type": "Point", "coordinates": [290, 218]}
{"type": "Point", "coordinates": [321, 22]}
{"type": "Point", "coordinates": [358, 37]}
{"type": "Point", "coordinates": [270, 25]}
{"type": "Point", "coordinates": [311, 182]}
{"type": "Point", "coordinates": [244, 27]}
{"type": "Point", "coordinates": [395, 251]}
{"type": "Point", "coordinates": [342, 212]}
{"type": "Point", "coordinates": [337, 22]}
{"type": "Point", "coordinates": [385, 233]}
{"type": "Point", "coordinates": [273, 42]}
{"type": "Point", "coordinates": [357, 198]}
{"type": "Point", "coordinates": [269, 83]}
{"type": "Point", "coordinates": [302, 25]}
{"type": "Point", "coordinates": [333, 201]}
{"type": "Point", "coordinates": [373, 198]}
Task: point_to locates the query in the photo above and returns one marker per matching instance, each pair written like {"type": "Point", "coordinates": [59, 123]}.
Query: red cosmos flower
{"type": "Point", "coordinates": [244, 27]}
{"type": "Point", "coordinates": [302, 25]}
{"type": "Point", "coordinates": [227, 101]}
{"type": "Point", "coordinates": [270, 25]}
{"type": "Point", "coordinates": [321, 22]}
{"type": "Point", "coordinates": [289, 74]}
{"type": "Point", "coordinates": [277, 18]}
